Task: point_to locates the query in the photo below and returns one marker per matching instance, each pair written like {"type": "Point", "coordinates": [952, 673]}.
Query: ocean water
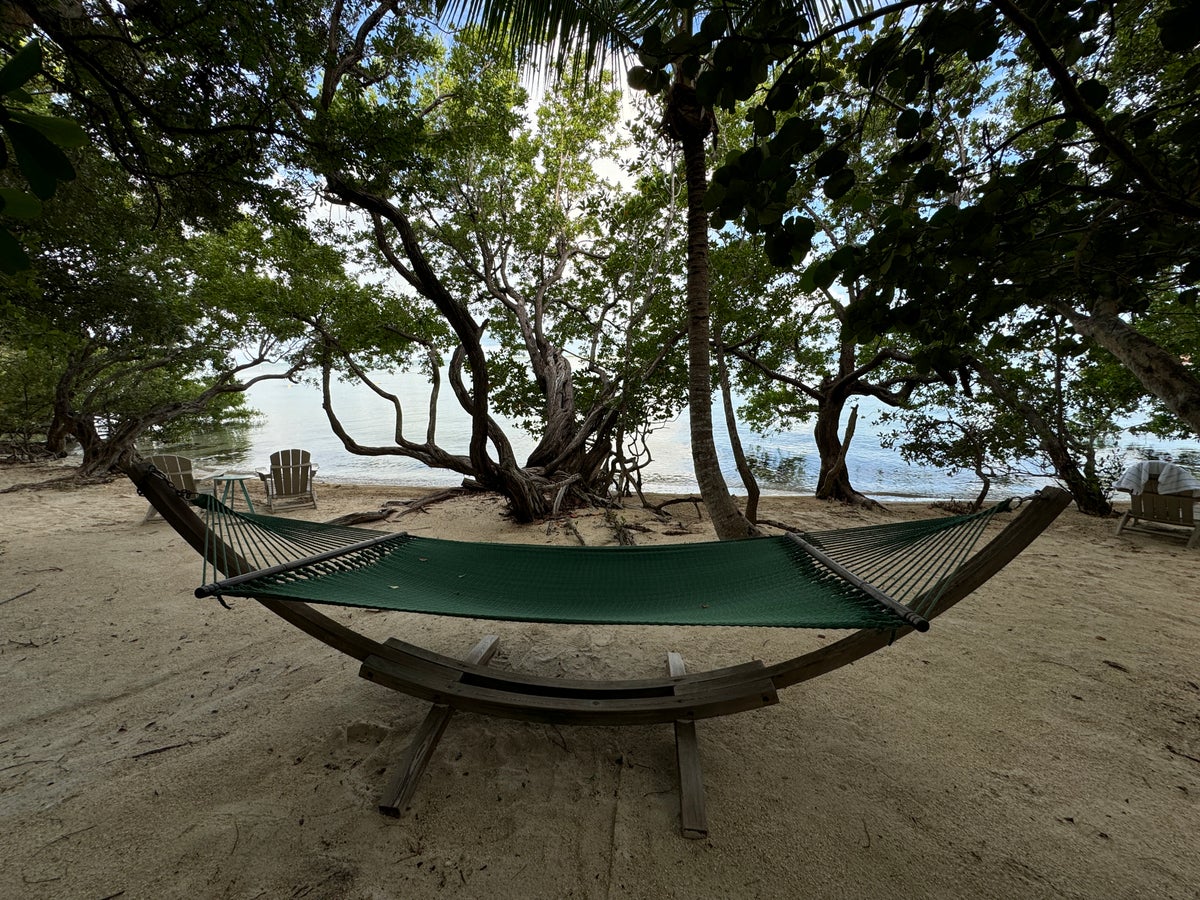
{"type": "Point", "coordinates": [290, 415]}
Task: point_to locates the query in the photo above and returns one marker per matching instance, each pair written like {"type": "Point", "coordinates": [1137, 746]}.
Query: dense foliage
{"type": "Point", "coordinates": [922, 199]}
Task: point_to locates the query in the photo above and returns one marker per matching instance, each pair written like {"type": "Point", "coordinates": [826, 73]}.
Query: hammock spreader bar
{"type": "Point", "coordinates": [216, 588]}
{"type": "Point", "coordinates": [916, 621]}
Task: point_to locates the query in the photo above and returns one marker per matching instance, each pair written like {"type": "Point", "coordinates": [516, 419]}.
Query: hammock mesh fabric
{"type": "Point", "coordinates": [770, 581]}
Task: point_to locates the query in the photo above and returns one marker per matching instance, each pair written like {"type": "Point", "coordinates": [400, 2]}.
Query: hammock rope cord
{"type": "Point", "coordinates": [910, 561]}
{"type": "Point", "coordinates": [882, 576]}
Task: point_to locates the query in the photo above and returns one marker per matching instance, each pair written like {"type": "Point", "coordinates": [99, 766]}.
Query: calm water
{"type": "Point", "coordinates": [291, 416]}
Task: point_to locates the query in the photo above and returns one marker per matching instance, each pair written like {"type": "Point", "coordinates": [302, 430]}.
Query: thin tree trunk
{"type": "Point", "coordinates": [1087, 492]}
{"type": "Point", "coordinates": [735, 440]}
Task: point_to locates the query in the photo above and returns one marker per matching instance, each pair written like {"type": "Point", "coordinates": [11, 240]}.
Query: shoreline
{"type": "Point", "coordinates": [1042, 740]}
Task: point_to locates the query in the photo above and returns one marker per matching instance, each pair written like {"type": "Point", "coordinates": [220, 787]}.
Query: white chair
{"type": "Point", "coordinates": [289, 480]}
{"type": "Point", "coordinates": [1175, 507]}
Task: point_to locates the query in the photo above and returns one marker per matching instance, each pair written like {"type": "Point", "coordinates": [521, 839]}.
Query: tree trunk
{"type": "Point", "coordinates": [58, 432]}
{"type": "Point", "coordinates": [560, 419]}
{"type": "Point", "coordinates": [61, 429]}
{"type": "Point", "coordinates": [833, 481]}
{"type": "Point", "coordinates": [735, 440]}
{"type": "Point", "coordinates": [1160, 372]}
{"type": "Point", "coordinates": [526, 500]}
{"type": "Point", "coordinates": [985, 479]}
{"type": "Point", "coordinates": [689, 122]}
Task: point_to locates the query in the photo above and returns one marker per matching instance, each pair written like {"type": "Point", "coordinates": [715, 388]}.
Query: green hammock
{"type": "Point", "coordinates": [882, 580]}
{"type": "Point", "coordinates": [877, 577]}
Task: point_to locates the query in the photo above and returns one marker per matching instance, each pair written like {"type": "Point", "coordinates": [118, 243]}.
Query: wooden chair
{"type": "Point", "coordinates": [289, 480]}
{"type": "Point", "coordinates": [1148, 506]}
{"type": "Point", "coordinates": [179, 471]}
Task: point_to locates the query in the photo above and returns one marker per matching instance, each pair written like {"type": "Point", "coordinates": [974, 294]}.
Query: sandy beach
{"type": "Point", "coordinates": [1041, 740]}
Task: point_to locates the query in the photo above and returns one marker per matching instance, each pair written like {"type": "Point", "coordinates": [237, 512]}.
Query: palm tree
{"type": "Point", "coordinates": [604, 28]}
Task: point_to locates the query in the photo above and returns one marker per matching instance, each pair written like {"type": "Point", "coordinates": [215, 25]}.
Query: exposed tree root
{"type": "Point", "coordinates": [394, 509]}
{"type": "Point", "coordinates": [660, 508]}
{"type": "Point", "coordinates": [861, 501]}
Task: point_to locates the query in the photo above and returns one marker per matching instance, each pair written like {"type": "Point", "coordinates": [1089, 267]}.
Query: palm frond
{"type": "Point", "coordinates": [558, 30]}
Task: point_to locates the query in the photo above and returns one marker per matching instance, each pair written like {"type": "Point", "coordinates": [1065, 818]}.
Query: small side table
{"type": "Point", "coordinates": [224, 490]}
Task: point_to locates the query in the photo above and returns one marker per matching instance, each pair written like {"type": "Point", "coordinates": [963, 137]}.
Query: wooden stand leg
{"type": "Point", "coordinates": [692, 819]}
{"type": "Point", "coordinates": [404, 783]}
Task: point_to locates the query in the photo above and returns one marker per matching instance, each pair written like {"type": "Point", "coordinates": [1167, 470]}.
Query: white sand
{"type": "Point", "coordinates": [1042, 740]}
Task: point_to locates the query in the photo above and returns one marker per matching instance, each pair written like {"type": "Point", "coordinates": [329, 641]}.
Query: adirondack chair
{"type": "Point", "coordinates": [1160, 493]}
{"type": "Point", "coordinates": [289, 480]}
{"type": "Point", "coordinates": [180, 472]}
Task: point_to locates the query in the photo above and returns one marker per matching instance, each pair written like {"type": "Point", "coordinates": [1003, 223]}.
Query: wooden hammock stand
{"type": "Point", "coordinates": [677, 698]}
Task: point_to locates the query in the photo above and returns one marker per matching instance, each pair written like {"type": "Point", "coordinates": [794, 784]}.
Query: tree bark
{"type": "Point", "coordinates": [1160, 372]}
{"type": "Point", "coordinates": [735, 440]}
{"type": "Point", "coordinates": [691, 124]}
{"type": "Point", "coordinates": [833, 481]}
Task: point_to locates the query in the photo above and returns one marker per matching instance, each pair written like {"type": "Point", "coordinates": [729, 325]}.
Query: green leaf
{"type": "Point", "coordinates": [764, 121]}
{"type": "Point", "coordinates": [690, 66]}
{"type": "Point", "coordinates": [63, 132]}
{"type": "Point", "coordinates": [983, 46]}
{"type": "Point", "coordinates": [843, 258]}
{"type": "Point", "coordinates": [782, 94]}
{"type": "Point", "coordinates": [24, 64]}
{"type": "Point", "coordinates": [878, 60]}
{"type": "Point", "coordinates": [42, 163]}
{"type": "Point", "coordinates": [861, 201]}
{"type": "Point", "coordinates": [713, 196]}
{"type": "Point", "coordinates": [652, 39]}
{"type": "Point", "coordinates": [944, 216]}
{"type": "Point", "coordinates": [1094, 93]}
{"type": "Point", "coordinates": [832, 160]}
{"type": "Point", "coordinates": [823, 274]}
{"type": "Point", "coordinates": [1064, 131]}
{"type": "Point", "coordinates": [958, 31]}
{"type": "Point", "coordinates": [908, 124]}
{"type": "Point", "coordinates": [807, 283]}
{"type": "Point", "coordinates": [714, 26]}
{"type": "Point", "coordinates": [927, 178]}
{"type": "Point", "coordinates": [839, 183]}
{"type": "Point", "coordinates": [802, 230]}
{"type": "Point", "coordinates": [1144, 126]}
{"type": "Point", "coordinates": [19, 204]}
{"type": "Point", "coordinates": [1179, 28]}
{"type": "Point", "coordinates": [779, 248]}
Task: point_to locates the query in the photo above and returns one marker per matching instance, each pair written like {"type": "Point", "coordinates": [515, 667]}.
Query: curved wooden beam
{"type": "Point", "coordinates": [444, 680]}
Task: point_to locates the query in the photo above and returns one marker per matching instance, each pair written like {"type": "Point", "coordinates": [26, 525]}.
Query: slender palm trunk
{"type": "Point", "coordinates": [691, 124]}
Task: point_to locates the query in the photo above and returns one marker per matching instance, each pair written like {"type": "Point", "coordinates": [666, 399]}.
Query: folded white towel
{"type": "Point", "coordinates": [1172, 479]}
